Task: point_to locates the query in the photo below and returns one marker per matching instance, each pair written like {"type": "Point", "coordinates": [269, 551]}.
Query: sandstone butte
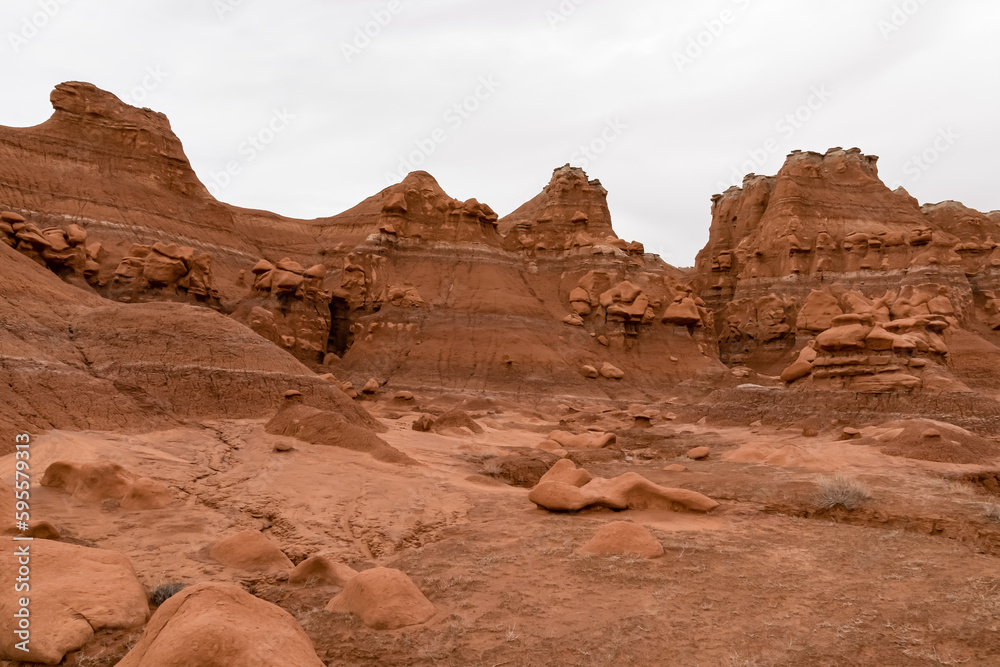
{"type": "Point", "coordinates": [398, 434]}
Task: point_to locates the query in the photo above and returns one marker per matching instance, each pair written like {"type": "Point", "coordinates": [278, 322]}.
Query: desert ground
{"type": "Point", "coordinates": [771, 577]}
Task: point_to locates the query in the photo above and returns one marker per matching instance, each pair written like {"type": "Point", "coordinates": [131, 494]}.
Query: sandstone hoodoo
{"type": "Point", "coordinates": [828, 277]}
{"type": "Point", "coordinates": [421, 431]}
{"type": "Point", "coordinates": [383, 287]}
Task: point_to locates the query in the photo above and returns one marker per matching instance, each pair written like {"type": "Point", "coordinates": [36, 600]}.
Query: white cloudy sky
{"type": "Point", "coordinates": [686, 122]}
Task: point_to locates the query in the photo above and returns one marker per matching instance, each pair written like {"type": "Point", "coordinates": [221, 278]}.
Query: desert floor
{"type": "Point", "coordinates": [910, 578]}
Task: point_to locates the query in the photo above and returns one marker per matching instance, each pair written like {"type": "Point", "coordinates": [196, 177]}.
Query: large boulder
{"type": "Point", "coordinates": [563, 492]}
{"type": "Point", "coordinates": [221, 625]}
{"type": "Point", "coordinates": [74, 591]}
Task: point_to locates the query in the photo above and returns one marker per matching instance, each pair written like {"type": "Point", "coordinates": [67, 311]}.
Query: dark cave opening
{"type": "Point", "coordinates": [341, 338]}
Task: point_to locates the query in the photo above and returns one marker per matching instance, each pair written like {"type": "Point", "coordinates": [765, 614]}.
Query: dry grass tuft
{"type": "Point", "coordinates": [843, 491]}
{"type": "Point", "coordinates": [491, 467]}
{"type": "Point", "coordinates": [992, 512]}
{"type": "Point", "coordinates": [164, 592]}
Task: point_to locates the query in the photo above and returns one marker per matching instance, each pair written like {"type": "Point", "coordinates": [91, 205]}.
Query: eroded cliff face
{"type": "Point", "coordinates": [826, 245]}
{"type": "Point", "coordinates": [419, 290]}
{"type": "Point", "coordinates": [437, 297]}
{"type": "Point", "coordinates": [411, 287]}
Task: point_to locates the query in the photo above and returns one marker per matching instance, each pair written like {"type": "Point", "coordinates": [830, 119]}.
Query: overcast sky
{"type": "Point", "coordinates": [315, 105]}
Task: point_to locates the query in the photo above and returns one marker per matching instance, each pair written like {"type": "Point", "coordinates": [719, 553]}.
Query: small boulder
{"type": "Point", "coordinates": [456, 419]}
{"type": "Point", "coordinates": [699, 453]}
{"type": "Point", "coordinates": [384, 599]}
{"type": "Point", "coordinates": [589, 440]}
{"type": "Point", "coordinates": [850, 433]}
{"type": "Point", "coordinates": [250, 551]}
{"type": "Point", "coordinates": [676, 467]}
{"type": "Point", "coordinates": [75, 234]}
{"type": "Point", "coordinates": [810, 428]}
{"type": "Point", "coordinates": [565, 471]}
{"type": "Point", "coordinates": [622, 538]}
{"type": "Point", "coordinates": [146, 494]}
{"type": "Point", "coordinates": [612, 372]}
{"type": "Point", "coordinates": [370, 387]}
{"type": "Point", "coordinates": [423, 423]}
{"type": "Point", "coordinates": [589, 372]}
{"type": "Point", "coordinates": [321, 571]}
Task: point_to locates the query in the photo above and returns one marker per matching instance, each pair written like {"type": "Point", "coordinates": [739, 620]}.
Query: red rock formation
{"type": "Point", "coordinates": [387, 286]}
{"type": "Point", "coordinates": [221, 624]}
{"type": "Point", "coordinates": [571, 212]}
{"type": "Point", "coordinates": [788, 255]}
{"type": "Point", "coordinates": [70, 359]}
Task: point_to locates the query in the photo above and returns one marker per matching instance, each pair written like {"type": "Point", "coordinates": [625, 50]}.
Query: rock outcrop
{"type": "Point", "coordinates": [322, 427]}
{"type": "Point", "coordinates": [847, 246]}
{"type": "Point", "coordinates": [106, 480]}
{"type": "Point", "coordinates": [74, 592]}
{"type": "Point", "coordinates": [567, 490]}
{"type": "Point", "coordinates": [216, 625]}
{"type": "Point", "coordinates": [379, 290]}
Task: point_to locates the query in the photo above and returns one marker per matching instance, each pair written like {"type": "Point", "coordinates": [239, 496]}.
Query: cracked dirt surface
{"type": "Point", "coordinates": [767, 579]}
